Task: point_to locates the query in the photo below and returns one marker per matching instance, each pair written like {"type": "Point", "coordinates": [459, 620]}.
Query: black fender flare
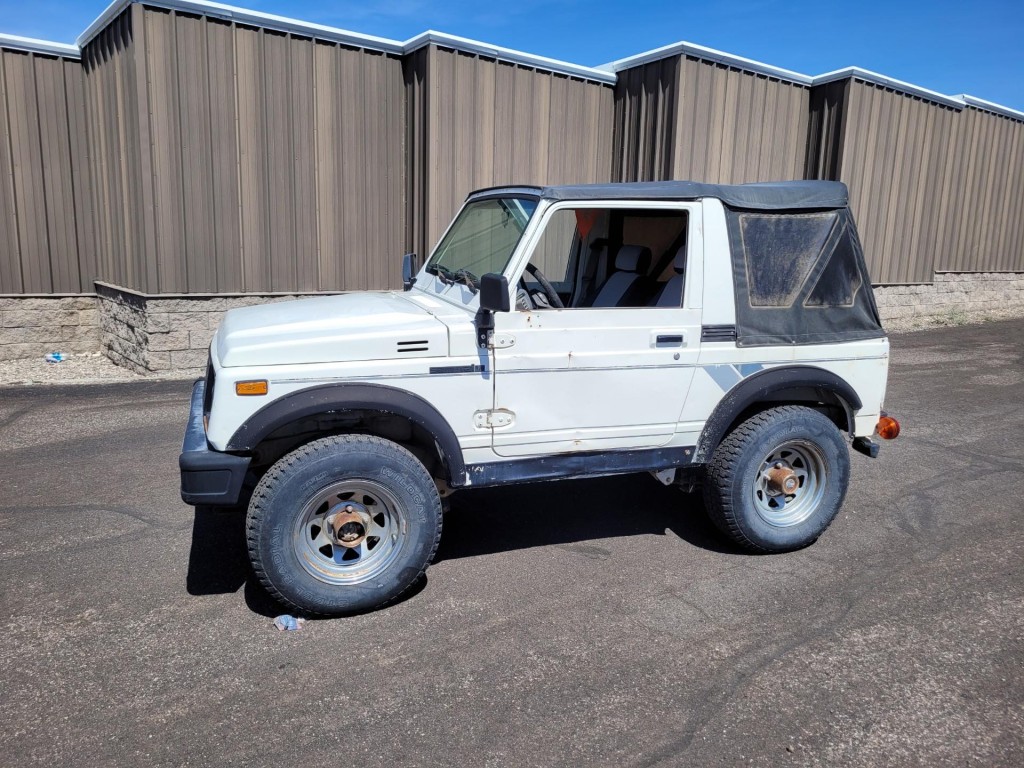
{"type": "Point", "coordinates": [760, 386]}
{"type": "Point", "coordinates": [341, 397]}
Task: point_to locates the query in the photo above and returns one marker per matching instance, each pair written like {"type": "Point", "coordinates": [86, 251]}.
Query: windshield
{"type": "Point", "coordinates": [481, 240]}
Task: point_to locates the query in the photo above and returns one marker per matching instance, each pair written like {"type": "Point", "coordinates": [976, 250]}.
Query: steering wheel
{"type": "Point", "coordinates": [552, 296]}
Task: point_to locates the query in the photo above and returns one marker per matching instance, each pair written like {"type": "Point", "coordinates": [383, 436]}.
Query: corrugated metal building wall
{"type": "Point", "coordinates": [682, 117]}
{"type": "Point", "coordinates": [479, 122]}
{"type": "Point", "coordinates": [45, 217]}
{"type": "Point", "coordinates": [185, 154]}
{"type": "Point", "coordinates": [276, 160]}
{"type": "Point", "coordinates": [194, 153]}
{"type": "Point", "coordinates": [894, 154]}
{"type": "Point", "coordinates": [112, 121]}
{"type": "Point", "coordinates": [911, 165]}
{"type": "Point", "coordinates": [987, 202]}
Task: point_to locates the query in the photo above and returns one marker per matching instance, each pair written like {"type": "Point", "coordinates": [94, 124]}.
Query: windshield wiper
{"type": "Point", "coordinates": [446, 275]}
{"type": "Point", "coordinates": [467, 278]}
{"type": "Point", "coordinates": [463, 276]}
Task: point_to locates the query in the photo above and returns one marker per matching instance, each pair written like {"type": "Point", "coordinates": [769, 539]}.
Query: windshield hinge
{"type": "Point", "coordinates": [493, 419]}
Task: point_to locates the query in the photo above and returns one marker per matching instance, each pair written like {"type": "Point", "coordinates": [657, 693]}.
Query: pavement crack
{"type": "Point", "coordinates": [71, 509]}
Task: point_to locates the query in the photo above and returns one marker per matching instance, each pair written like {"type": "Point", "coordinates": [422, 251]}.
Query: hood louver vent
{"type": "Point", "coordinates": [421, 345]}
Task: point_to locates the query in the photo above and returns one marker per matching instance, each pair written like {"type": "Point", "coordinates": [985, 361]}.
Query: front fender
{"type": "Point", "coordinates": [338, 398]}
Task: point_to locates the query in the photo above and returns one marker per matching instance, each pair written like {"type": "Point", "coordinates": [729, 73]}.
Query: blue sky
{"type": "Point", "coordinates": [950, 47]}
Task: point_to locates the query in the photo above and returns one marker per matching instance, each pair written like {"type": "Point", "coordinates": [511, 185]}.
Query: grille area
{"type": "Point", "coordinates": [208, 394]}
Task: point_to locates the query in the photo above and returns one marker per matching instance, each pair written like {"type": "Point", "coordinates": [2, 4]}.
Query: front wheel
{"type": "Point", "coordinates": [778, 480]}
{"type": "Point", "coordinates": [343, 524]}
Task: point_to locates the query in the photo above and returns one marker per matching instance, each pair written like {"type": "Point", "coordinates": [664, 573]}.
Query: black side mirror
{"type": "Point", "coordinates": [494, 293]}
{"type": "Point", "coordinates": [410, 266]}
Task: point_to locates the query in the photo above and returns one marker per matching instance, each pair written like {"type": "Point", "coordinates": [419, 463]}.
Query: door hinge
{"type": "Point", "coordinates": [501, 340]}
{"type": "Point", "coordinates": [493, 419]}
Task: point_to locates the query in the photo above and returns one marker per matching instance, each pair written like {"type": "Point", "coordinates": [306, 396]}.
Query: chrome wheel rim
{"type": "Point", "coordinates": [350, 532]}
{"type": "Point", "coordinates": [790, 484]}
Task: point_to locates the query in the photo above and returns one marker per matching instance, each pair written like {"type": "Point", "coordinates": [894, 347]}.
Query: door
{"type": "Point", "coordinates": [594, 378]}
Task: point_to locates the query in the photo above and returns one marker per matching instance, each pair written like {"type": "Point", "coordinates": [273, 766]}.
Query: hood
{"type": "Point", "coordinates": [344, 328]}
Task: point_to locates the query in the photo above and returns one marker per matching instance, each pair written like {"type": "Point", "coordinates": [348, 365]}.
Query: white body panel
{"type": "Point", "coordinates": [592, 379]}
{"type": "Point", "coordinates": [448, 329]}
{"type": "Point", "coordinates": [719, 304]}
{"type": "Point", "coordinates": [572, 380]}
{"type": "Point", "coordinates": [352, 326]}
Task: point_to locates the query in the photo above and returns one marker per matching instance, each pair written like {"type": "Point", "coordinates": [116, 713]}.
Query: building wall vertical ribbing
{"type": "Point", "coordinates": [686, 118]}
{"type": "Point", "coordinates": [480, 122]}
{"type": "Point", "coordinates": [46, 238]}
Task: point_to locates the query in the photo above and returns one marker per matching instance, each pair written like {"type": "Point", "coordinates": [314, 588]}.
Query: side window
{"type": "Point", "coordinates": [840, 280]}
{"type": "Point", "coordinates": [779, 253]}
{"type": "Point", "coordinates": [799, 278]}
{"type": "Point", "coordinates": [555, 249]}
{"type": "Point", "coordinates": [611, 257]}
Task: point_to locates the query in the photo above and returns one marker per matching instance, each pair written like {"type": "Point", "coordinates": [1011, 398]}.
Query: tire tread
{"type": "Point", "coordinates": [719, 502]}
{"type": "Point", "coordinates": [263, 492]}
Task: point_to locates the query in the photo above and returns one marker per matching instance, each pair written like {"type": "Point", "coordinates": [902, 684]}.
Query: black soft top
{"type": "Point", "coordinates": [768, 196]}
{"type": "Point", "coordinates": [799, 274]}
{"type": "Point", "coordinates": [764, 196]}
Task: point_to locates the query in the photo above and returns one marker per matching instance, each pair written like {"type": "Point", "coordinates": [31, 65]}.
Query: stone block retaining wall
{"type": "Point", "coordinates": [953, 298]}
{"type": "Point", "coordinates": [156, 334]}
{"type": "Point", "coordinates": [150, 334]}
{"type": "Point", "coordinates": [31, 327]}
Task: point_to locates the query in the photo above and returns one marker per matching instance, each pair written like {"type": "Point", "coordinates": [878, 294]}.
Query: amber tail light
{"type": "Point", "coordinates": [888, 428]}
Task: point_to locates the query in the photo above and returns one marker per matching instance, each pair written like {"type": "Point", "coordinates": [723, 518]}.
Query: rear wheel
{"type": "Point", "coordinates": [778, 480]}
{"type": "Point", "coordinates": [343, 524]}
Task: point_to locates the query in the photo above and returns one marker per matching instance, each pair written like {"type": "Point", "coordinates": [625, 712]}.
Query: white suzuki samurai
{"type": "Point", "coordinates": [725, 336]}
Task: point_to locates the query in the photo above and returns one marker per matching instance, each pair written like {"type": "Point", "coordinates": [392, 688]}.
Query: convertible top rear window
{"type": "Point", "coordinates": [800, 278]}
{"type": "Point", "coordinates": [783, 249]}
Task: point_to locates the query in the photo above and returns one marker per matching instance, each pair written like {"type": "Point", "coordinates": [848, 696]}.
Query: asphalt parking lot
{"type": "Point", "coordinates": [580, 623]}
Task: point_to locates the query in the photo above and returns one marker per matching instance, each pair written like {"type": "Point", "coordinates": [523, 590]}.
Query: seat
{"type": "Point", "coordinates": [672, 293]}
{"type": "Point", "coordinates": [628, 280]}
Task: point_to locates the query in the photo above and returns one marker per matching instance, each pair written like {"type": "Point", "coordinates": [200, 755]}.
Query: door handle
{"type": "Point", "coordinates": [669, 339]}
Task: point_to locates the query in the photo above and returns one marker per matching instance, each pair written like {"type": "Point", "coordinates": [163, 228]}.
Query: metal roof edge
{"type": "Point", "coordinates": [507, 54]}
{"type": "Point", "coordinates": [990, 106]}
{"type": "Point", "coordinates": [605, 74]}
{"type": "Point", "coordinates": [710, 54]}
{"type": "Point", "coordinates": [356, 39]}
{"type": "Point", "coordinates": [32, 45]}
{"type": "Point", "coordinates": [107, 15]}
{"type": "Point", "coordinates": [750, 65]}
{"type": "Point", "coordinates": [245, 16]}
{"type": "Point", "coordinates": [889, 82]}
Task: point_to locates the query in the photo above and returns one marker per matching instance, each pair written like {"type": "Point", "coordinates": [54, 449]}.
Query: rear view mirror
{"type": "Point", "coordinates": [494, 293]}
{"type": "Point", "coordinates": [410, 266]}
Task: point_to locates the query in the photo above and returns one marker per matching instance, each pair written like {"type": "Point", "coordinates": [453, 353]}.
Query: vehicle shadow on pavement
{"type": "Point", "coordinates": [482, 522]}
{"type": "Point", "coordinates": [571, 512]}
{"type": "Point", "coordinates": [218, 562]}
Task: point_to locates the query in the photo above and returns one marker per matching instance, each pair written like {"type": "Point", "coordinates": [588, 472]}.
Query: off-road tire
{"type": "Point", "coordinates": [292, 484]}
{"type": "Point", "coordinates": [730, 494]}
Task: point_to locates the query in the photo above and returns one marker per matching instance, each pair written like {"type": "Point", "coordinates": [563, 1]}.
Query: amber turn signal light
{"type": "Point", "coordinates": [888, 428]}
{"type": "Point", "coordinates": [251, 387]}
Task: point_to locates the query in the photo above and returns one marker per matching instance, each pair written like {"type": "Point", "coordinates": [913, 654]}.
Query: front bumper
{"type": "Point", "coordinates": [208, 478]}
